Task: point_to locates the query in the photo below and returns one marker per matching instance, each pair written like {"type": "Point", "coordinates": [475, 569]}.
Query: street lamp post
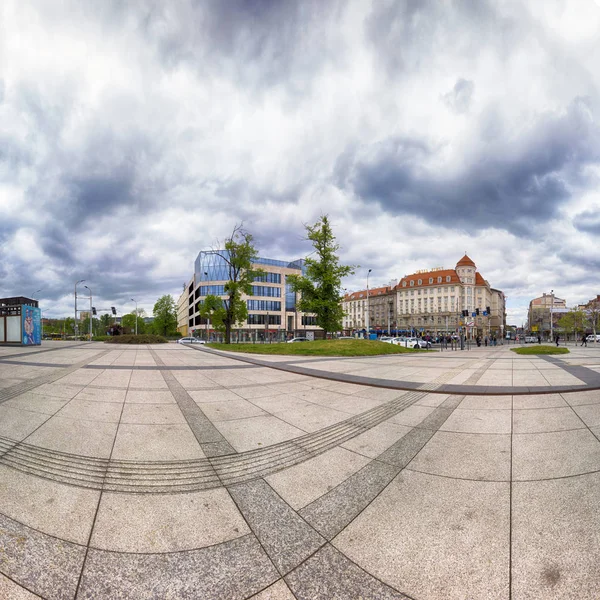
{"type": "Point", "coordinates": [34, 293]}
{"type": "Point", "coordinates": [75, 324]}
{"type": "Point", "coordinates": [367, 316]}
{"type": "Point", "coordinates": [136, 315]}
{"type": "Point", "coordinates": [551, 307]}
{"type": "Point", "coordinates": [90, 315]}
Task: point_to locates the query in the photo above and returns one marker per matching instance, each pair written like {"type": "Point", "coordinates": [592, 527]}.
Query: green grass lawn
{"type": "Point", "coordinates": [319, 348]}
{"type": "Point", "coordinates": [540, 350]}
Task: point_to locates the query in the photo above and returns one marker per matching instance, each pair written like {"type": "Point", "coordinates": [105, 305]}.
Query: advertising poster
{"type": "Point", "coordinates": [32, 325]}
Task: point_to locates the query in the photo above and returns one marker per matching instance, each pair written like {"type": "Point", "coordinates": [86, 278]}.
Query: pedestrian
{"type": "Point", "coordinates": [584, 340]}
{"type": "Point", "coordinates": [556, 338]}
{"type": "Point", "coordinates": [539, 339]}
{"type": "Point", "coordinates": [485, 340]}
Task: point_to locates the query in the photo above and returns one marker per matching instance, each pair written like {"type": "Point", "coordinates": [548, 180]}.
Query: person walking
{"type": "Point", "coordinates": [556, 338]}
{"type": "Point", "coordinates": [539, 339]}
{"type": "Point", "coordinates": [584, 340]}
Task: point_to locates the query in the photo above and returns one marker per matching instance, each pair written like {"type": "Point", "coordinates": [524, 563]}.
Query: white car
{"type": "Point", "coordinates": [413, 343]}
{"type": "Point", "coordinates": [590, 338]}
{"type": "Point", "coordinates": [298, 339]}
{"type": "Point", "coordinates": [387, 340]}
{"type": "Point", "coordinates": [531, 339]}
{"type": "Point", "coordinates": [190, 340]}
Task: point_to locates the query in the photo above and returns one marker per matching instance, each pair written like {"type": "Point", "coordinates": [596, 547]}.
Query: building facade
{"type": "Point", "coordinates": [431, 301]}
{"type": "Point", "coordinates": [541, 310]}
{"type": "Point", "coordinates": [272, 307]}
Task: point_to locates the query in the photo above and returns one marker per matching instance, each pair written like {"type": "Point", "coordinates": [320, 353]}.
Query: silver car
{"type": "Point", "coordinates": [190, 340]}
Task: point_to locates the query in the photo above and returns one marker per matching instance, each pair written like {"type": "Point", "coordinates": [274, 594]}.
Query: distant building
{"type": "Point", "coordinates": [272, 307]}
{"type": "Point", "coordinates": [540, 311]}
{"type": "Point", "coordinates": [431, 301]}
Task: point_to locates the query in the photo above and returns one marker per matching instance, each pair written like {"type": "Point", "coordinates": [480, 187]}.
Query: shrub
{"type": "Point", "coordinates": [145, 338]}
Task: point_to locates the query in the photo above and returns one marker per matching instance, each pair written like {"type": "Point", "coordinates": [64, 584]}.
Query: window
{"type": "Point", "coordinates": [212, 290]}
{"type": "Point", "coordinates": [308, 320]}
{"type": "Point", "coordinates": [262, 319]}
{"type": "Point", "coordinates": [412, 283]}
{"type": "Point", "coordinates": [420, 282]}
{"type": "Point", "coordinates": [404, 284]}
{"type": "Point", "coordinates": [269, 277]}
{"type": "Point", "coordinates": [439, 280]}
{"type": "Point", "coordinates": [431, 280]}
{"type": "Point", "coordinates": [261, 290]}
{"type": "Point", "coordinates": [448, 278]}
{"type": "Point", "coordinates": [263, 305]}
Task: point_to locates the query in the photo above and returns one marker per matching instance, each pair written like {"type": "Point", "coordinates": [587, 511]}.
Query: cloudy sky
{"type": "Point", "coordinates": [134, 134]}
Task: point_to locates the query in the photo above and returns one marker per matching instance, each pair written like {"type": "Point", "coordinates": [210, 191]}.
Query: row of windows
{"type": "Point", "coordinates": [262, 290]}
{"type": "Point", "coordinates": [308, 320]}
{"type": "Point", "coordinates": [262, 319]}
{"type": "Point", "coordinates": [263, 305]}
{"type": "Point", "coordinates": [420, 281]}
{"type": "Point", "coordinates": [269, 277]}
{"type": "Point", "coordinates": [212, 290]}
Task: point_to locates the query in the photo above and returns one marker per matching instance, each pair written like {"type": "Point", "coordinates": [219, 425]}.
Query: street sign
{"type": "Point", "coordinates": [470, 323]}
{"type": "Point", "coordinates": [485, 313]}
{"type": "Point", "coordinates": [473, 314]}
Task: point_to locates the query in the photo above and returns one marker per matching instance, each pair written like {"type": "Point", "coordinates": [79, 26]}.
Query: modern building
{"type": "Point", "coordinates": [20, 321]}
{"type": "Point", "coordinates": [541, 310]}
{"type": "Point", "coordinates": [431, 301]}
{"type": "Point", "coordinates": [272, 307]}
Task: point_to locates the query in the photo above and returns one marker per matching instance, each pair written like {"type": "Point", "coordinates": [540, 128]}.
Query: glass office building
{"type": "Point", "coordinates": [272, 307]}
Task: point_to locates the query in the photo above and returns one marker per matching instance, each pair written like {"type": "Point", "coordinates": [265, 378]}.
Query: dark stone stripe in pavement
{"type": "Point", "coordinates": [396, 384]}
{"type": "Point", "coordinates": [209, 437]}
{"type": "Point", "coordinates": [25, 386]}
{"type": "Point", "coordinates": [43, 564]}
{"type": "Point", "coordinates": [229, 571]}
{"type": "Point", "coordinates": [588, 376]}
{"type": "Point", "coordinates": [29, 352]}
{"type": "Point", "coordinates": [330, 574]}
{"type": "Point", "coordinates": [333, 511]}
{"type": "Point", "coordinates": [287, 538]}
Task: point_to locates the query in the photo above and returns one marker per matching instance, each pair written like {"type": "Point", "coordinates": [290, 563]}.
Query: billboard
{"type": "Point", "coordinates": [31, 325]}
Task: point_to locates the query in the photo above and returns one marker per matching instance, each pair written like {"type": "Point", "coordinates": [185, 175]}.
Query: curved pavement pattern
{"type": "Point", "coordinates": [175, 472]}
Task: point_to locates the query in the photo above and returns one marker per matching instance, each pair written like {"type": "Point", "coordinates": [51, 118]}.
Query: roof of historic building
{"type": "Point", "coordinates": [373, 292]}
{"type": "Point", "coordinates": [465, 261]}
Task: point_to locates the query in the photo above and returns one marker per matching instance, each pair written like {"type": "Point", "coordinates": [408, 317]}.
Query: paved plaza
{"type": "Point", "coordinates": [170, 472]}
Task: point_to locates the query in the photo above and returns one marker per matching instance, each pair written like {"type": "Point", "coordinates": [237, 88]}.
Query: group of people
{"type": "Point", "coordinates": [492, 340]}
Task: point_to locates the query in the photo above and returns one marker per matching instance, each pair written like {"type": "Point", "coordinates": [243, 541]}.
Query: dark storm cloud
{"type": "Point", "coordinates": [459, 98]}
{"type": "Point", "coordinates": [515, 185]}
{"type": "Point", "coordinates": [588, 221]}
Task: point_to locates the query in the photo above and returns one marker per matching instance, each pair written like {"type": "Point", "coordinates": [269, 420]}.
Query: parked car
{"type": "Point", "coordinates": [413, 343]}
{"type": "Point", "coordinates": [531, 339]}
{"type": "Point", "coordinates": [190, 340]}
{"type": "Point", "coordinates": [344, 337]}
{"type": "Point", "coordinates": [298, 339]}
{"type": "Point", "coordinates": [387, 340]}
{"type": "Point", "coordinates": [592, 338]}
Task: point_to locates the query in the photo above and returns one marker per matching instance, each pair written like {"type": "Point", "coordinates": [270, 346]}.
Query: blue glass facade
{"type": "Point", "coordinates": [263, 305]}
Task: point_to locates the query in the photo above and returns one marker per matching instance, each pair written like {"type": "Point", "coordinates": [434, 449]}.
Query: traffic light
{"type": "Point", "coordinates": [488, 310]}
{"type": "Point", "coordinates": [94, 311]}
{"type": "Point", "coordinates": [477, 311]}
{"type": "Point", "coordinates": [465, 313]}
{"type": "Point", "coordinates": [114, 310]}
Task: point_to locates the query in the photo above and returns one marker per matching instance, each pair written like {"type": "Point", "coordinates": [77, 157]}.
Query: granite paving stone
{"type": "Point", "coordinates": [329, 574]}
{"type": "Point", "coordinates": [17, 424]}
{"type": "Point", "coordinates": [589, 414]}
{"type": "Point", "coordinates": [230, 571]}
{"type": "Point", "coordinates": [556, 539]}
{"type": "Point", "coordinates": [278, 591]}
{"type": "Point", "coordinates": [479, 421]}
{"type": "Point", "coordinates": [166, 522]}
{"type": "Point", "coordinates": [435, 538]}
{"type": "Point", "coordinates": [286, 537]}
{"type": "Point", "coordinates": [41, 563]}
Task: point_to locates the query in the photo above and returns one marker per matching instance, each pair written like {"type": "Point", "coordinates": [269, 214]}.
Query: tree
{"type": "Point", "coordinates": [321, 288]}
{"type": "Point", "coordinates": [593, 312]}
{"type": "Point", "coordinates": [238, 256]}
{"type": "Point", "coordinates": [105, 322]}
{"type": "Point", "coordinates": [573, 321]}
{"type": "Point", "coordinates": [165, 316]}
{"type": "Point", "coordinates": [128, 322]}
{"type": "Point", "coordinates": [213, 308]}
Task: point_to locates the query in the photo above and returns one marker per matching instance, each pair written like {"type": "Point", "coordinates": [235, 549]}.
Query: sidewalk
{"type": "Point", "coordinates": [173, 472]}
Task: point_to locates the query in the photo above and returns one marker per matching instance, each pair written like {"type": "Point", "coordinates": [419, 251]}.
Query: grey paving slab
{"type": "Point", "coordinates": [153, 414]}
{"type": "Point", "coordinates": [278, 591]}
{"type": "Point", "coordinates": [486, 402]}
{"type": "Point", "coordinates": [36, 403]}
{"type": "Point", "coordinates": [76, 436]}
{"type": "Point", "coordinates": [13, 591]}
{"type": "Point", "coordinates": [59, 510]}
{"type": "Point", "coordinates": [479, 421]}
{"type": "Point", "coordinates": [230, 409]}
{"type": "Point", "coordinates": [556, 540]}
{"type": "Point", "coordinates": [104, 395]}
{"type": "Point", "coordinates": [156, 443]}
{"type": "Point", "coordinates": [589, 414]}
{"type": "Point", "coordinates": [329, 574]}
{"type": "Point", "coordinates": [377, 439]}
{"type": "Point", "coordinates": [302, 483]}
{"type": "Point", "coordinates": [107, 412]}
{"type": "Point", "coordinates": [285, 536]}
{"type": "Point", "coordinates": [435, 538]}
{"type": "Point", "coordinates": [539, 401]}
{"type": "Point", "coordinates": [17, 424]}
{"type": "Point", "coordinates": [584, 397]}
{"type": "Point", "coordinates": [556, 454]}
{"type": "Point", "coordinates": [466, 456]}
{"type": "Point", "coordinates": [230, 571]}
{"type": "Point", "coordinates": [545, 419]}
{"type": "Point", "coordinates": [41, 563]}
{"type": "Point", "coordinates": [166, 522]}
{"type": "Point", "coordinates": [149, 396]}
{"type": "Point", "coordinates": [330, 513]}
